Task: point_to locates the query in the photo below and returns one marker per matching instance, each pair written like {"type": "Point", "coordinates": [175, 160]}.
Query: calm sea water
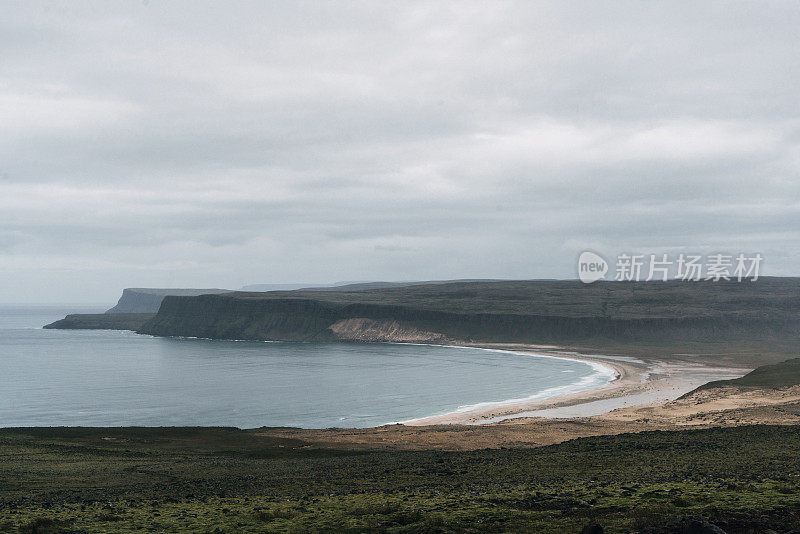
{"type": "Point", "coordinates": [108, 378]}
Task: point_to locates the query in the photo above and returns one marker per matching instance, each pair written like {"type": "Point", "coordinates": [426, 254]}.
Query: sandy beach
{"type": "Point", "coordinates": [636, 382]}
{"type": "Point", "coordinates": [645, 395]}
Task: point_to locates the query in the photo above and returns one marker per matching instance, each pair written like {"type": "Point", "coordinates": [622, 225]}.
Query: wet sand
{"type": "Point", "coordinates": [638, 382]}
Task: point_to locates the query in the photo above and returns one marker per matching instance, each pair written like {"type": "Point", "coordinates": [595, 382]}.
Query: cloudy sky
{"type": "Point", "coordinates": [173, 144]}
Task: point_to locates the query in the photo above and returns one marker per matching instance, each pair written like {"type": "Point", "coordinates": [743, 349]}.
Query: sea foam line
{"type": "Point", "coordinates": [603, 375]}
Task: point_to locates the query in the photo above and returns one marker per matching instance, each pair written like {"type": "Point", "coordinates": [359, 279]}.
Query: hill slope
{"type": "Point", "coordinates": [778, 375]}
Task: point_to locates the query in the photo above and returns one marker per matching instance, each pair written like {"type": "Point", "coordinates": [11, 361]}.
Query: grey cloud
{"type": "Point", "coordinates": [215, 144]}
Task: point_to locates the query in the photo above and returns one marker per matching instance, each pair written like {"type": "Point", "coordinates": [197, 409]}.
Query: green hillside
{"type": "Point", "coordinates": [779, 375]}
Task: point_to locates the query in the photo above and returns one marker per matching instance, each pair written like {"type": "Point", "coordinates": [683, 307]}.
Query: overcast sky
{"type": "Point", "coordinates": [170, 144]}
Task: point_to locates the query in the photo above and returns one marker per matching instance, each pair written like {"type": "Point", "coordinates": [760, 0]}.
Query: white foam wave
{"type": "Point", "coordinates": [602, 375]}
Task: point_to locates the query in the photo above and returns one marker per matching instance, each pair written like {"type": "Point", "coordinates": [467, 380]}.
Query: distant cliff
{"type": "Point", "coordinates": [101, 321]}
{"type": "Point", "coordinates": [525, 312]}
{"type": "Point", "coordinates": [148, 300]}
{"type": "Point", "coordinates": [135, 307]}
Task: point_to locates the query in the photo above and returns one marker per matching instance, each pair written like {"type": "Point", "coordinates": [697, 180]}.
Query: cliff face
{"type": "Point", "coordinates": [213, 316]}
{"type": "Point", "coordinates": [370, 330]}
{"type": "Point", "coordinates": [148, 300]}
{"type": "Point", "coordinates": [301, 319]}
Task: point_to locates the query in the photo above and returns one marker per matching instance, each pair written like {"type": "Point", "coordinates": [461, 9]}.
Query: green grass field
{"type": "Point", "coordinates": [227, 480]}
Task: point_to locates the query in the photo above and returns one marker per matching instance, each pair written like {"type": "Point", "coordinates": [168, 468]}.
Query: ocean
{"type": "Point", "coordinates": [112, 378]}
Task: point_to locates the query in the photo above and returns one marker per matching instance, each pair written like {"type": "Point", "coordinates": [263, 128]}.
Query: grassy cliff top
{"type": "Point", "coordinates": [764, 298]}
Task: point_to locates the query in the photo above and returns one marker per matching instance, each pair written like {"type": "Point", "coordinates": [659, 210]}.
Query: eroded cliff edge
{"type": "Point", "coordinates": [522, 312]}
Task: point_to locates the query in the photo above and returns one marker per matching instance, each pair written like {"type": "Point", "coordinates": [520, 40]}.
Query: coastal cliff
{"type": "Point", "coordinates": [522, 312]}
{"type": "Point", "coordinates": [135, 307]}
{"type": "Point", "coordinates": [148, 300]}
{"type": "Point", "coordinates": [101, 321]}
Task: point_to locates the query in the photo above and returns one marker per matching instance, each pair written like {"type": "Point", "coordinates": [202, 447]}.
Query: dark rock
{"type": "Point", "coordinates": [704, 527]}
{"type": "Point", "coordinates": [592, 529]}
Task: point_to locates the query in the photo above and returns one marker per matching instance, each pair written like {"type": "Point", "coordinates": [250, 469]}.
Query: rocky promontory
{"type": "Point", "coordinates": [148, 300]}
{"type": "Point", "coordinates": [101, 321]}
{"type": "Point", "coordinates": [135, 307]}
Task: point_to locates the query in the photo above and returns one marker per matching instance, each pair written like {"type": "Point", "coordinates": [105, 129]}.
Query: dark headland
{"type": "Point", "coordinates": [538, 311]}
{"type": "Point", "coordinates": [135, 307]}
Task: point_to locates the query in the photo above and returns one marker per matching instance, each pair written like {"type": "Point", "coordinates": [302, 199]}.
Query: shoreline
{"type": "Point", "coordinates": [637, 382]}
{"type": "Point", "coordinates": [644, 397]}
{"type": "Point", "coordinates": [613, 372]}
{"type": "Point", "coordinates": [633, 381]}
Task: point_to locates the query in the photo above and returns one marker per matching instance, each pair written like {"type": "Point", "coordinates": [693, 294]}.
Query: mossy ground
{"type": "Point", "coordinates": [207, 480]}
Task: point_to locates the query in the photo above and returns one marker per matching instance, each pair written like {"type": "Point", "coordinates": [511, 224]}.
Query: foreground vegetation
{"type": "Point", "coordinates": [743, 479]}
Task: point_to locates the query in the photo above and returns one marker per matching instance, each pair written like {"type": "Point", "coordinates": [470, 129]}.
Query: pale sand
{"type": "Point", "coordinates": [644, 397]}
{"type": "Point", "coordinates": [638, 382]}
